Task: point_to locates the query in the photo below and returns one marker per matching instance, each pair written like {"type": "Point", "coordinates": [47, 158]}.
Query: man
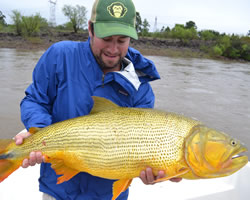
{"type": "Point", "coordinates": [69, 73]}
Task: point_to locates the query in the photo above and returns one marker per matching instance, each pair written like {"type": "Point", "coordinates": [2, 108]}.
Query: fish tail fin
{"type": "Point", "coordinates": [7, 164]}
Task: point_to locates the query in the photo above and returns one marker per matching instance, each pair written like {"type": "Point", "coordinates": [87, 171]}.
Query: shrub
{"type": "Point", "coordinates": [217, 51]}
{"type": "Point", "coordinates": [208, 35]}
{"type": "Point", "coordinates": [183, 34]}
{"type": "Point", "coordinates": [31, 25]}
{"type": "Point", "coordinates": [17, 21]}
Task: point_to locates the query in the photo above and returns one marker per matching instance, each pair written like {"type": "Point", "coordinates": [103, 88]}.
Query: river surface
{"type": "Point", "coordinates": [214, 92]}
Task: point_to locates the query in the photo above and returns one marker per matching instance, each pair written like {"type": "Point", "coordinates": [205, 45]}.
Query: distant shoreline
{"type": "Point", "coordinates": [147, 46]}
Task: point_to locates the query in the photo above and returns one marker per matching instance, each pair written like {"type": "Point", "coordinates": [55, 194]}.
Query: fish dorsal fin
{"type": "Point", "coordinates": [101, 104]}
{"type": "Point", "coordinates": [33, 130]}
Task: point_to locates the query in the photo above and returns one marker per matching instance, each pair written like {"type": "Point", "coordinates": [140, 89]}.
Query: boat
{"type": "Point", "coordinates": [233, 187]}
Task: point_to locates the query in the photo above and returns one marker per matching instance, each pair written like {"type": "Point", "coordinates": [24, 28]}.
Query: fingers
{"type": "Point", "coordinates": [161, 174]}
{"type": "Point", "coordinates": [34, 158]}
{"type": "Point", "coordinates": [176, 180]}
{"type": "Point", "coordinates": [148, 177]}
{"type": "Point", "coordinates": [143, 177]}
{"type": "Point", "coordinates": [20, 137]}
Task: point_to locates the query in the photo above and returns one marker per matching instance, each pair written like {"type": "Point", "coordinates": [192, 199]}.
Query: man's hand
{"type": "Point", "coordinates": [34, 157]}
{"type": "Point", "coordinates": [148, 177]}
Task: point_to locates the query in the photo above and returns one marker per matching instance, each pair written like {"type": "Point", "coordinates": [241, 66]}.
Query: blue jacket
{"type": "Point", "coordinates": [64, 79]}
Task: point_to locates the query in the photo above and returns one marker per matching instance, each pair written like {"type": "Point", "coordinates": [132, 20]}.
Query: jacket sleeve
{"type": "Point", "coordinates": [36, 107]}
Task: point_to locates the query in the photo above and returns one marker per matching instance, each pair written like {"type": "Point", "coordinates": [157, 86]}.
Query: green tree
{"type": "Point", "coordinates": [208, 35]}
{"type": "Point", "coordinates": [183, 34]}
{"type": "Point", "coordinates": [224, 43]}
{"type": "Point", "coordinates": [145, 27]}
{"type": "Point", "coordinates": [235, 50]}
{"type": "Point", "coordinates": [245, 54]}
{"type": "Point", "coordinates": [138, 23]}
{"type": "Point", "coordinates": [162, 29]}
{"type": "Point", "coordinates": [217, 51]}
{"type": "Point", "coordinates": [179, 26]}
{"type": "Point", "coordinates": [248, 33]}
{"type": "Point", "coordinates": [31, 24]}
{"type": "Point", "coordinates": [190, 24]}
{"type": "Point", "coordinates": [76, 15]}
{"type": "Point", "coordinates": [167, 29]}
{"type": "Point", "coordinates": [2, 18]}
{"type": "Point", "coordinates": [44, 25]}
{"type": "Point", "coordinates": [17, 21]}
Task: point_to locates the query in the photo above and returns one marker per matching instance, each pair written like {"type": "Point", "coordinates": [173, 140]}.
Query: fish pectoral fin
{"type": "Point", "coordinates": [67, 174]}
{"type": "Point", "coordinates": [178, 174]}
{"type": "Point", "coordinates": [33, 130]}
{"type": "Point", "coordinates": [61, 169]}
{"type": "Point", "coordinates": [120, 186]}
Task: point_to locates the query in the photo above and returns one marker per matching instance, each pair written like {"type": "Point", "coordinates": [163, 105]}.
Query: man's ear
{"type": "Point", "coordinates": [90, 29]}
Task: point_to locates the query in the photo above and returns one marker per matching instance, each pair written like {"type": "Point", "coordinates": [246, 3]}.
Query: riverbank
{"type": "Point", "coordinates": [147, 46]}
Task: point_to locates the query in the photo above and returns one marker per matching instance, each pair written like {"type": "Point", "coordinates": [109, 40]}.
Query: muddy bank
{"type": "Point", "coordinates": [148, 46]}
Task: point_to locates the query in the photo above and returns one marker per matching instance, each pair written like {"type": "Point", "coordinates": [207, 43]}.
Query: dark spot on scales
{"type": "Point", "coordinates": [44, 143]}
{"type": "Point", "coordinates": [6, 156]}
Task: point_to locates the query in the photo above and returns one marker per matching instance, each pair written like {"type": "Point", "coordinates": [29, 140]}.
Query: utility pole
{"type": "Point", "coordinates": [155, 25]}
{"type": "Point", "coordinates": [52, 14]}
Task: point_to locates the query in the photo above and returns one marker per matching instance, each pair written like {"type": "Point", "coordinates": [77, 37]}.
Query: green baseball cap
{"type": "Point", "coordinates": [114, 17]}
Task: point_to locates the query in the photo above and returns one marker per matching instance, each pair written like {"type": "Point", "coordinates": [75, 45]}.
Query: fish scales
{"type": "Point", "coordinates": [137, 143]}
{"type": "Point", "coordinates": [112, 139]}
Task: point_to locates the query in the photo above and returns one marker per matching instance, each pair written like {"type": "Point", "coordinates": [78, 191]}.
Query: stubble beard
{"type": "Point", "coordinates": [103, 65]}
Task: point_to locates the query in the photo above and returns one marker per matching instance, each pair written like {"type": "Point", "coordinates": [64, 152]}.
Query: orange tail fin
{"type": "Point", "coordinates": [7, 164]}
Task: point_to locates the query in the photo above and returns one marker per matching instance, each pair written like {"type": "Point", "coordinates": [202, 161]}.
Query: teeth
{"type": "Point", "coordinates": [236, 156]}
{"type": "Point", "coordinates": [240, 154]}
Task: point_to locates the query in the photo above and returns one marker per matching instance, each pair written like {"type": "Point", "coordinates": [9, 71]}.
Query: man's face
{"type": "Point", "coordinates": [109, 51]}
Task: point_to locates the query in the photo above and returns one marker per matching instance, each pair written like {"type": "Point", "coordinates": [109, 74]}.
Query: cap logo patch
{"type": "Point", "coordinates": [117, 10]}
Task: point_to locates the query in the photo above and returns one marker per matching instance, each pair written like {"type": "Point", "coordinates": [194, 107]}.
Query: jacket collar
{"type": "Point", "coordinates": [130, 74]}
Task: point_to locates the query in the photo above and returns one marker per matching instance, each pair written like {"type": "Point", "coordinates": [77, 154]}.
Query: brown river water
{"type": "Point", "coordinates": [214, 92]}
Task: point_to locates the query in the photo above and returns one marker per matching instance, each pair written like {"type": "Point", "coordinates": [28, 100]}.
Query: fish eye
{"type": "Point", "coordinates": [233, 143]}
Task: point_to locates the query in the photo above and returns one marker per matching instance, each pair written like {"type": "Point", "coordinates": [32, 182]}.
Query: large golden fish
{"type": "Point", "coordinates": [118, 143]}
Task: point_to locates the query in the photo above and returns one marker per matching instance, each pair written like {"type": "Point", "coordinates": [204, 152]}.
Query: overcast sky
{"type": "Point", "coordinates": [229, 16]}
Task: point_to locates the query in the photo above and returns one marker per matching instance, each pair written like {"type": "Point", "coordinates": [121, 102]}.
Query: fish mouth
{"type": "Point", "coordinates": [238, 158]}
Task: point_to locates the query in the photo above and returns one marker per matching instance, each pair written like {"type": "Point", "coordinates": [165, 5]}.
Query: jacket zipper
{"type": "Point", "coordinates": [103, 76]}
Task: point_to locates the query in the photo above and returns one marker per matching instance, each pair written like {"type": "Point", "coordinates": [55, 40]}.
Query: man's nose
{"type": "Point", "coordinates": [113, 47]}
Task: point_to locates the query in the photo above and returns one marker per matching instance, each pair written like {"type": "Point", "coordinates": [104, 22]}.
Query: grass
{"type": "Point", "coordinates": [34, 40]}
{"type": "Point", "coordinates": [173, 52]}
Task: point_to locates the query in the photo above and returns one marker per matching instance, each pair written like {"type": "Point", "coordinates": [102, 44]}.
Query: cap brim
{"type": "Point", "coordinates": [108, 29]}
